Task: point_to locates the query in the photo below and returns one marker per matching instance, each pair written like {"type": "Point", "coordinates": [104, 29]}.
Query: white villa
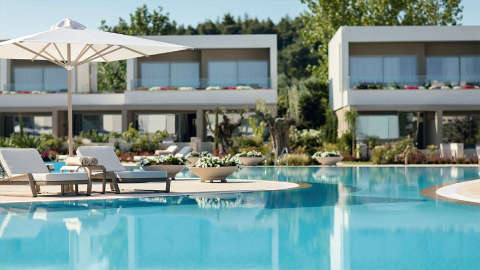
{"type": "Point", "coordinates": [164, 92]}
{"type": "Point", "coordinates": [394, 76]}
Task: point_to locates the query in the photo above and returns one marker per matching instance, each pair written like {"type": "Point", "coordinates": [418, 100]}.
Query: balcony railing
{"type": "Point", "coordinates": [417, 82]}
{"type": "Point", "coordinates": [159, 84]}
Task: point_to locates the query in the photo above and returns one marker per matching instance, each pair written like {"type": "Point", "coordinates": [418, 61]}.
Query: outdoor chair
{"type": "Point", "coordinates": [116, 173]}
{"type": "Point", "coordinates": [24, 166]}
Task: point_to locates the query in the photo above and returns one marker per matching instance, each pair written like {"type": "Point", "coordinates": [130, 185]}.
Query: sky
{"type": "Point", "coordinates": [23, 17]}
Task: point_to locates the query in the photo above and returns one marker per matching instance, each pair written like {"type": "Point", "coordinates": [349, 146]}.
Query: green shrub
{"type": "Point", "coordinates": [308, 139]}
{"type": "Point", "coordinates": [345, 142]}
{"type": "Point", "coordinates": [131, 134]}
{"type": "Point", "coordinates": [94, 136]}
{"type": "Point", "coordinates": [19, 140]}
{"type": "Point", "coordinates": [144, 144]}
{"type": "Point", "coordinates": [50, 143]}
{"type": "Point", "coordinates": [295, 159]}
{"type": "Point", "coordinates": [391, 152]}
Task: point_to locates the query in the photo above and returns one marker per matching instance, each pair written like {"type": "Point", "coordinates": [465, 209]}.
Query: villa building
{"type": "Point", "coordinates": [172, 92]}
{"type": "Point", "coordinates": [408, 80]}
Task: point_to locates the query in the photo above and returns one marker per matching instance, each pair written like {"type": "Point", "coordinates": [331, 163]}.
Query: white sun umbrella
{"type": "Point", "coordinates": [69, 44]}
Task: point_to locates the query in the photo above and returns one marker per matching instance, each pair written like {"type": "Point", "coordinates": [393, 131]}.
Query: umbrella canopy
{"type": "Point", "coordinates": [69, 44]}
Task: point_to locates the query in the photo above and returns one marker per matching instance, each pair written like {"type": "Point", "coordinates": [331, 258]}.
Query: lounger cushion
{"type": "Point", "coordinates": [22, 160]}
{"type": "Point", "coordinates": [184, 151]}
{"type": "Point", "coordinates": [60, 177]}
{"type": "Point", "coordinates": [105, 156]}
{"type": "Point", "coordinates": [141, 174]}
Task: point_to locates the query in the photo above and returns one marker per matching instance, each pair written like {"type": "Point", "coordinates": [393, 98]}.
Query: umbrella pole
{"type": "Point", "coordinates": [70, 116]}
{"type": "Point", "coordinates": [69, 102]}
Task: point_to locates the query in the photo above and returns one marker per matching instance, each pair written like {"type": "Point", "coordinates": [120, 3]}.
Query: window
{"type": "Point", "coordinates": [33, 124]}
{"type": "Point", "coordinates": [443, 69]}
{"type": "Point", "coordinates": [150, 123]}
{"type": "Point", "coordinates": [382, 126]}
{"type": "Point", "coordinates": [470, 69]}
{"type": "Point", "coordinates": [383, 69]}
{"type": "Point", "coordinates": [102, 123]}
{"type": "Point", "coordinates": [40, 78]}
{"type": "Point", "coordinates": [170, 74]}
{"type": "Point", "coordinates": [234, 73]}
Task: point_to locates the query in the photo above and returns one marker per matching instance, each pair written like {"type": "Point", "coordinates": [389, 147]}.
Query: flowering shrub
{"type": "Point", "coordinates": [251, 153]}
{"type": "Point", "coordinates": [217, 162]}
{"type": "Point", "coordinates": [197, 154]}
{"type": "Point", "coordinates": [326, 154]}
{"type": "Point", "coordinates": [49, 155]}
{"type": "Point", "coordinates": [163, 160]}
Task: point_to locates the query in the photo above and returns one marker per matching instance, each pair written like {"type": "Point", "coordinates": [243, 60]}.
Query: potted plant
{"type": "Point", "coordinates": [327, 158]}
{"type": "Point", "coordinates": [193, 156]}
{"type": "Point", "coordinates": [250, 158]}
{"type": "Point", "coordinates": [210, 168]}
{"type": "Point", "coordinates": [171, 164]}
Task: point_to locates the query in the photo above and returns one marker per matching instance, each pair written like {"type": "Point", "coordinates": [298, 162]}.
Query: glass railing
{"type": "Point", "coordinates": [164, 84]}
{"type": "Point", "coordinates": [29, 88]}
{"type": "Point", "coordinates": [417, 82]}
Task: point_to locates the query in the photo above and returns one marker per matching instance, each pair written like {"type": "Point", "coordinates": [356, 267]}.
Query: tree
{"type": "Point", "coordinates": [326, 16]}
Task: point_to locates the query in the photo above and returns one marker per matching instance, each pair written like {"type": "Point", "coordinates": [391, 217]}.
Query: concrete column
{"type": "Point", "coordinates": [273, 66]}
{"type": "Point", "coordinates": [200, 124]}
{"type": "Point", "coordinates": [82, 78]}
{"type": "Point", "coordinates": [5, 74]}
{"type": "Point", "coordinates": [127, 118]}
{"type": "Point", "coordinates": [94, 77]}
{"type": "Point", "coordinates": [55, 124]}
{"type": "Point", "coordinates": [132, 73]}
{"type": "Point", "coordinates": [438, 127]}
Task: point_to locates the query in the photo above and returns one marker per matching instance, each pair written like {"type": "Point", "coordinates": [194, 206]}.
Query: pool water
{"type": "Point", "coordinates": [350, 218]}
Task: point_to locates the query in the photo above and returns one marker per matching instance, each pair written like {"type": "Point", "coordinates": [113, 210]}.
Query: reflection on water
{"type": "Point", "coordinates": [351, 218]}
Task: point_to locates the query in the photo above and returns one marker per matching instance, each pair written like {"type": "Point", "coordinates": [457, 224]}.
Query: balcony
{"type": "Point", "coordinates": [167, 84]}
{"type": "Point", "coordinates": [417, 82]}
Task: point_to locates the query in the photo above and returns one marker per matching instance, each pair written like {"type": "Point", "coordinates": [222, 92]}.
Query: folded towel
{"type": "Point", "coordinates": [81, 161]}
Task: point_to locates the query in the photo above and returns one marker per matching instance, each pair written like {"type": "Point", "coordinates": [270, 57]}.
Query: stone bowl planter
{"type": "Point", "coordinates": [171, 170]}
{"type": "Point", "coordinates": [213, 174]}
{"type": "Point", "coordinates": [329, 160]}
{"type": "Point", "coordinates": [192, 160]}
{"type": "Point", "coordinates": [250, 161]}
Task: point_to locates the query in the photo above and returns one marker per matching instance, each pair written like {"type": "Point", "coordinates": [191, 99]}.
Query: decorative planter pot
{"type": "Point", "coordinates": [250, 161]}
{"type": "Point", "coordinates": [171, 170]}
{"type": "Point", "coordinates": [329, 160]}
{"type": "Point", "coordinates": [192, 160]}
{"type": "Point", "coordinates": [212, 174]}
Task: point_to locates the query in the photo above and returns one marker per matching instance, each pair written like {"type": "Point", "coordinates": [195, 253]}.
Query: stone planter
{"type": "Point", "coordinates": [192, 160]}
{"type": "Point", "coordinates": [329, 160]}
{"type": "Point", "coordinates": [250, 161]}
{"type": "Point", "coordinates": [212, 174]}
{"type": "Point", "coordinates": [171, 170]}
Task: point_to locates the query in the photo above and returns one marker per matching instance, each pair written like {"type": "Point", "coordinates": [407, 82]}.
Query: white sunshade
{"type": "Point", "coordinates": [86, 45]}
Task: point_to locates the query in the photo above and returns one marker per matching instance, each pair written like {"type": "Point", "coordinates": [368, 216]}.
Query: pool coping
{"type": "Point", "coordinates": [432, 192]}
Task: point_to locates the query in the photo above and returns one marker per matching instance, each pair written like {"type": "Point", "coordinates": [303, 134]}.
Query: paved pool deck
{"type": "Point", "coordinates": [22, 193]}
{"type": "Point", "coordinates": [465, 192]}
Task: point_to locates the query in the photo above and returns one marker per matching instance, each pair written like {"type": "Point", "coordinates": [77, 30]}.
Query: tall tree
{"type": "Point", "coordinates": [324, 17]}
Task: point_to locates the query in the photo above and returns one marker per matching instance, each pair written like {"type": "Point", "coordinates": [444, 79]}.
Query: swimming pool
{"type": "Point", "coordinates": [350, 218]}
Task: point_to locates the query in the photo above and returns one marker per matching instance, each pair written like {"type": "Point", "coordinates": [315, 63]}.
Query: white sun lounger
{"type": "Point", "coordinates": [24, 166]}
{"type": "Point", "coordinates": [184, 151]}
{"type": "Point", "coordinates": [170, 150]}
{"type": "Point", "coordinates": [115, 170]}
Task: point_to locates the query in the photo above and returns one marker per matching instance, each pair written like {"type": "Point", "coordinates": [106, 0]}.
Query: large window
{"type": "Point", "coordinates": [453, 69]}
{"type": "Point", "coordinates": [102, 123]}
{"type": "Point", "coordinates": [169, 74]}
{"type": "Point", "coordinates": [150, 123]}
{"type": "Point", "coordinates": [234, 73]}
{"type": "Point", "coordinates": [382, 126]}
{"type": "Point", "coordinates": [30, 124]}
{"type": "Point", "coordinates": [383, 70]}
{"type": "Point", "coordinates": [40, 78]}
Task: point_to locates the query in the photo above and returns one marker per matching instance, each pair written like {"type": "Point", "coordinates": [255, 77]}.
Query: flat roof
{"type": "Point", "coordinates": [220, 41]}
{"type": "Point", "coordinates": [407, 33]}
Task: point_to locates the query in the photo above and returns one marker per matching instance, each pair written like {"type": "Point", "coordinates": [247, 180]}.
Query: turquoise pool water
{"type": "Point", "coordinates": [351, 218]}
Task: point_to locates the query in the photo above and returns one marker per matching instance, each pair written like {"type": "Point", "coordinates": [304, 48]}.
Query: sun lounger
{"type": "Point", "coordinates": [184, 151]}
{"type": "Point", "coordinates": [170, 150]}
{"type": "Point", "coordinates": [24, 166]}
{"type": "Point", "coordinates": [116, 173]}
